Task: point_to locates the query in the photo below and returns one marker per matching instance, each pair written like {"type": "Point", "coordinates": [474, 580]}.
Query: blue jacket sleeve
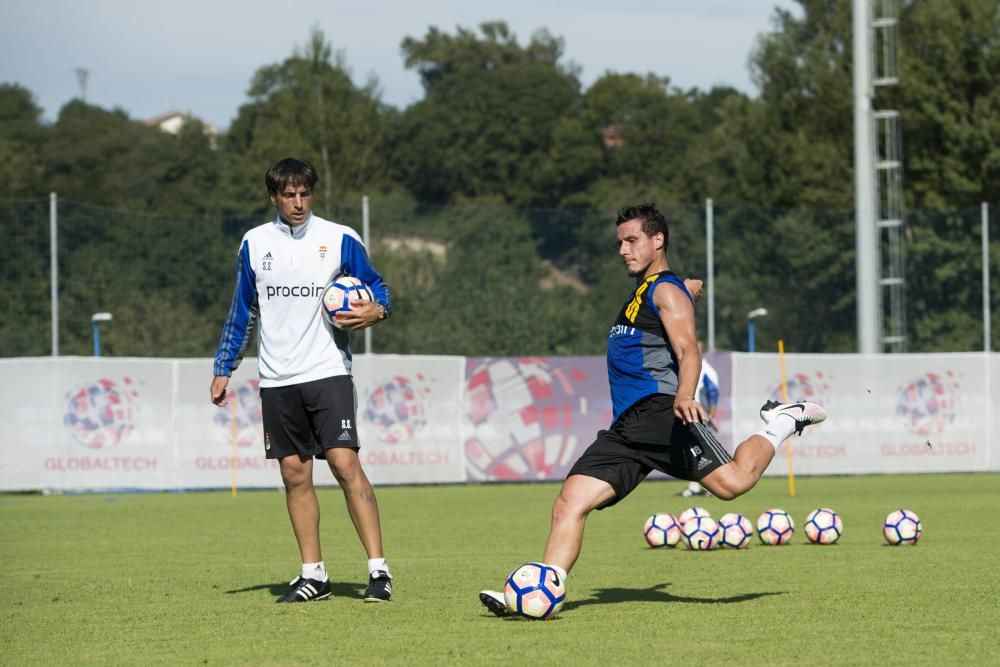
{"type": "Point", "coordinates": [711, 390]}
{"type": "Point", "coordinates": [354, 261]}
{"type": "Point", "coordinates": [241, 318]}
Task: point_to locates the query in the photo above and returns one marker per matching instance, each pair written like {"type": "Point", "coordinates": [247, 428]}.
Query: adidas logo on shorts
{"type": "Point", "coordinates": [344, 435]}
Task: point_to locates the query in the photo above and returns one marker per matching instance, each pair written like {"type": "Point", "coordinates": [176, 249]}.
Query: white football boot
{"type": "Point", "coordinates": [493, 600]}
{"type": "Point", "coordinates": [803, 413]}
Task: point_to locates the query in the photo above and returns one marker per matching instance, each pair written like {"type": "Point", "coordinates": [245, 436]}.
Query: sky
{"type": "Point", "coordinates": [198, 56]}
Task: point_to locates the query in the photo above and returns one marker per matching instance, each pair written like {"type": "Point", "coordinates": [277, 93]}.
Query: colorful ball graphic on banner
{"type": "Point", "coordinates": [927, 404]}
{"type": "Point", "coordinates": [245, 407]}
{"type": "Point", "coordinates": [397, 408]}
{"type": "Point", "coordinates": [802, 387]}
{"type": "Point", "coordinates": [100, 414]}
{"type": "Point", "coordinates": [521, 412]}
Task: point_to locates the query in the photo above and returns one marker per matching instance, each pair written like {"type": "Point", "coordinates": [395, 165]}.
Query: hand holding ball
{"type": "Point", "coordinates": [338, 296]}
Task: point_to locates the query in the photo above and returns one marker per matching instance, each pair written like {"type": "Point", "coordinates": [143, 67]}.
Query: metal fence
{"type": "Point", "coordinates": [485, 281]}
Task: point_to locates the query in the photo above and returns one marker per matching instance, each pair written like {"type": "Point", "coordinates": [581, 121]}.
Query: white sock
{"type": "Point", "coordinates": [316, 571]}
{"type": "Point", "coordinates": [562, 573]}
{"type": "Point", "coordinates": [779, 430]}
{"type": "Point", "coordinates": [378, 564]}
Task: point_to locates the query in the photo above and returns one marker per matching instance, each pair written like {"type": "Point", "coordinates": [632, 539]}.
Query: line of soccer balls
{"type": "Point", "coordinates": [535, 590]}
{"type": "Point", "coordinates": [700, 532]}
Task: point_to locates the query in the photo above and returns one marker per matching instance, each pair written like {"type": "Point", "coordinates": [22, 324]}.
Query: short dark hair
{"type": "Point", "coordinates": [653, 222]}
{"type": "Point", "coordinates": [292, 171]}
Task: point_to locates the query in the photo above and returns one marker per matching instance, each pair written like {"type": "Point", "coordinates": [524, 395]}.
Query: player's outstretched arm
{"type": "Point", "coordinates": [677, 315]}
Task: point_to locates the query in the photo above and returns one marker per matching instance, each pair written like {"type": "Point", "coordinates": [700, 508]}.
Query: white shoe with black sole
{"type": "Point", "coordinates": [803, 413]}
{"type": "Point", "coordinates": [494, 601]}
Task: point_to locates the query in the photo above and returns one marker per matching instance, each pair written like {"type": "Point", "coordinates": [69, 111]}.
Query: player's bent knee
{"type": "Point", "coordinates": [727, 482]}
{"type": "Point", "coordinates": [564, 508]}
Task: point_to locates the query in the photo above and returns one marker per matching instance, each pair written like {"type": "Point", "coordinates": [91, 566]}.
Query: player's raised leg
{"type": "Point", "coordinates": [755, 453]}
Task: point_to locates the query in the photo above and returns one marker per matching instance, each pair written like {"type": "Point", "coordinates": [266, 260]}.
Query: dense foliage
{"type": "Point", "coordinates": [493, 195]}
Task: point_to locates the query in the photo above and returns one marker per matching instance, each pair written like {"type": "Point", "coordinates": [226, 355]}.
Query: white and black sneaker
{"type": "Point", "coordinates": [803, 412]}
{"type": "Point", "coordinates": [494, 601]}
{"type": "Point", "coordinates": [306, 590]}
{"type": "Point", "coordinates": [379, 587]}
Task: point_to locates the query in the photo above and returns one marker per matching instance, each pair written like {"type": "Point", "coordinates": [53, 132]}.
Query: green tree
{"type": "Point", "coordinates": [950, 102]}
{"type": "Point", "coordinates": [21, 137]}
{"type": "Point", "coordinates": [486, 123]}
{"type": "Point", "coordinates": [308, 106]}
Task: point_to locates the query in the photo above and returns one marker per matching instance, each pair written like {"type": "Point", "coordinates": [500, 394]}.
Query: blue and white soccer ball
{"type": "Point", "coordinates": [735, 531]}
{"type": "Point", "coordinates": [700, 533]}
{"type": "Point", "coordinates": [534, 591]}
{"type": "Point", "coordinates": [902, 527]}
{"type": "Point", "coordinates": [662, 530]}
{"type": "Point", "coordinates": [691, 513]}
{"type": "Point", "coordinates": [775, 527]}
{"type": "Point", "coordinates": [824, 526]}
{"type": "Point", "coordinates": [339, 294]}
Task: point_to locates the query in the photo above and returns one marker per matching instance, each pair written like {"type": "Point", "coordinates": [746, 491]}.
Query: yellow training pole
{"type": "Point", "coordinates": [234, 436]}
{"type": "Point", "coordinates": [784, 399]}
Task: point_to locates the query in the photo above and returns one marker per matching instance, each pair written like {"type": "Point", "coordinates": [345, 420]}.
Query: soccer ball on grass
{"type": "Point", "coordinates": [700, 533]}
{"type": "Point", "coordinates": [735, 531]}
{"type": "Point", "coordinates": [662, 530]}
{"type": "Point", "coordinates": [535, 591]}
{"type": "Point", "coordinates": [775, 527]}
{"type": "Point", "coordinates": [901, 527]}
{"type": "Point", "coordinates": [691, 513]}
{"type": "Point", "coordinates": [824, 526]}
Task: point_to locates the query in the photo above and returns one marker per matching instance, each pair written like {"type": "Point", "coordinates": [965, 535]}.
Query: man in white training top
{"type": "Point", "coordinates": [308, 398]}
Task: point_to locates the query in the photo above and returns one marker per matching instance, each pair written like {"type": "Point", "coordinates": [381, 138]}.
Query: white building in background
{"type": "Point", "coordinates": [172, 122]}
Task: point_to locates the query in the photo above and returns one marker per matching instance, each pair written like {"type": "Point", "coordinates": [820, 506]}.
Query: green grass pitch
{"type": "Point", "coordinates": [173, 579]}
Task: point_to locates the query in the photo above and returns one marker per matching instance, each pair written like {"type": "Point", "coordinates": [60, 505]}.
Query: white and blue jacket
{"type": "Point", "coordinates": [281, 275]}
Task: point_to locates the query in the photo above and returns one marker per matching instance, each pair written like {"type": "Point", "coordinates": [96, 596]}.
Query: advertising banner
{"type": "Point", "coordinates": [887, 413]}
{"type": "Point", "coordinates": [76, 424]}
{"type": "Point", "coordinates": [410, 417]}
{"type": "Point", "coordinates": [530, 418]}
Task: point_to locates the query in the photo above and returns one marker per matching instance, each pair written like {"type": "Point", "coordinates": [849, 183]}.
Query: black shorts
{"type": "Point", "coordinates": [309, 418]}
{"type": "Point", "coordinates": [648, 437]}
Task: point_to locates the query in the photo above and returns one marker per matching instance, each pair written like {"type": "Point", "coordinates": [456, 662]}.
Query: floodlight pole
{"type": "Point", "coordinates": [751, 330]}
{"type": "Point", "coordinates": [987, 334]}
{"type": "Point", "coordinates": [54, 270]}
{"type": "Point", "coordinates": [866, 233]}
{"type": "Point", "coordinates": [95, 321]}
{"type": "Point", "coordinates": [367, 240]}
{"type": "Point", "coordinates": [710, 270]}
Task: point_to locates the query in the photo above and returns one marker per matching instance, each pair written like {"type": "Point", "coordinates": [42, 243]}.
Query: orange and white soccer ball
{"type": "Point", "coordinates": [691, 513]}
{"type": "Point", "coordinates": [735, 531]}
{"type": "Point", "coordinates": [700, 533]}
{"type": "Point", "coordinates": [824, 526]}
{"type": "Point", "coordinates": [775, 527]}
{"type": "Point", "coordinates": [902, 527]}
{"type": "Point", "coordinates": [534, 591]}
{"type": "Point", "coordinates": [662, 530]}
